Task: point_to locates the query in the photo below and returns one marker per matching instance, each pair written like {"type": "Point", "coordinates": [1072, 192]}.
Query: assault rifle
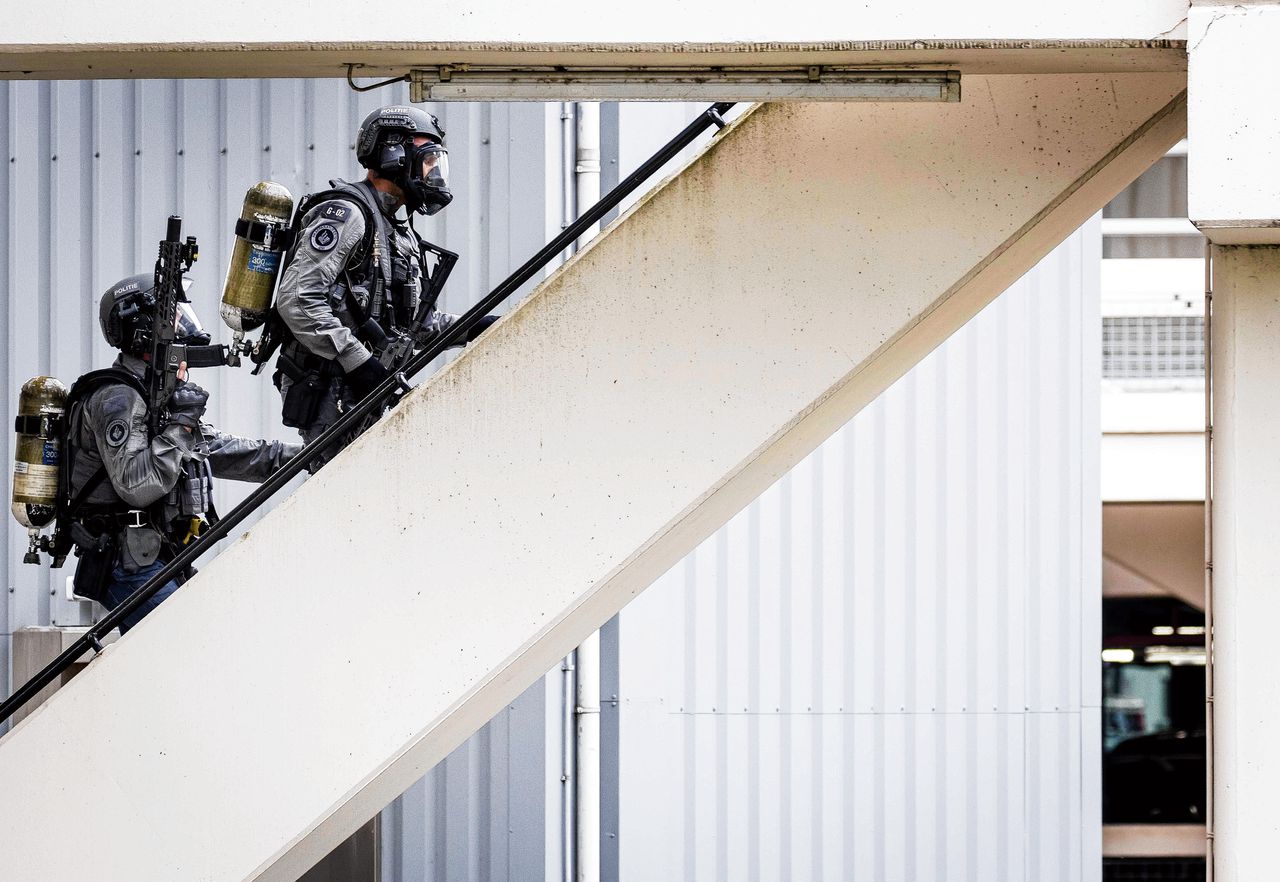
{"type": "Point", "coordinates": [395, 353]}
{"type": "Point", "coordinates": [167, 356]}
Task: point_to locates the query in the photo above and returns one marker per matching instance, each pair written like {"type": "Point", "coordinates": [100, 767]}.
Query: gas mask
{"type": "Point", "coordinates": [126, 313]}
{"type": "Point", "coordinates": [385, 144]}
{"type": "Point", "coordinates": [426, 184]}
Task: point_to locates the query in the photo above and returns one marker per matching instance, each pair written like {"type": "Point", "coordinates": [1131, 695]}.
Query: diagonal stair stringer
{"type": "Point", "coordinates": [629, 407]}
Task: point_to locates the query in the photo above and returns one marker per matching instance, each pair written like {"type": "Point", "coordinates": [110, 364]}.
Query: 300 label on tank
{"type": "Point", "coordinates": [265, 262]}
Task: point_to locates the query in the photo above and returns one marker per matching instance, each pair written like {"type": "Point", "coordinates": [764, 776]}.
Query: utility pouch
{"type": "Point", "coordinates": [303, 397]}
{"type": "Point", "coordinates": [192, 496]}
{"type": "Point", "coordinates": [302, 401]}
{"type": "Point", "coordinates": [399, 269]}
{"type": "Point", "coordinates": [141, 548]}
{"type": "Point", "coordinates": [93, 569]}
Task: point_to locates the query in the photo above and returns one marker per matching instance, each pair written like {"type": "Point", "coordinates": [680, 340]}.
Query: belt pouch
{"type": "Point", "coordinates": [303, 397]}
{"type": "Point", "coordinates": [141, 548]}
{"type": "Point", "coordinates": [302, 401]}
{"type": "Point", "coordinates": [93, 569]}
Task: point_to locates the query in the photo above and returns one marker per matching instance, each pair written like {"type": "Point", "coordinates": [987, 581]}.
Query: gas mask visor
{"type": "Point", "coordinates": [187, 328]}
{"type": "Point", "coordinates": [429, 180]}
{"type": "Point", "coordinates": [431, 164]}
{"type": "Point", "coordinates": [189, 332]}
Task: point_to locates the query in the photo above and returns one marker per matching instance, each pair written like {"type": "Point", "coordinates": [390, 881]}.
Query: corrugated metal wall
{"type": "Point", "coordinates": [94, 169]}
{"type": "Point", "coordinates": [917, 561]}
{"type": "Point", "coordinates": [886, 667]}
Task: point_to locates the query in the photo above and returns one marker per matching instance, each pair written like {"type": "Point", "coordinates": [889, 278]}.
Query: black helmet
{"type": "Point", "coordinates": [385, 145]}
{"type": "Point", "coordinates": [126, 313]}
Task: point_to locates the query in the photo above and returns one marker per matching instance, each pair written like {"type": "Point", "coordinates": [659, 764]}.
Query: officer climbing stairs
{"type": "Point", "coordinates": [509, 506]}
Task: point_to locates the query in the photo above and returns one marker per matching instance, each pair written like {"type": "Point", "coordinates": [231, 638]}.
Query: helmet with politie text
{"type": "Point", "coordinates": [126, 313]}
{"type": "Point", "coordinates": [405, 145]}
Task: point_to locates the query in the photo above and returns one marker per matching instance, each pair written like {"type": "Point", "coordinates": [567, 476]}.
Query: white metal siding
{"type": "Point", "coordinates": [886, 677]}
{"type": "Point", "coordinates": [92, 172]}
{"type": "Point", "coordinates": [885, 668]}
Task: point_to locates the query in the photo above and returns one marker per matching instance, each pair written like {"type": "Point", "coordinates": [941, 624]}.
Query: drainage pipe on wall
{"type": "Point", "coordinates": [587, 192]}
{"type": "Point", "coordinates": [1208, 560]}
{"type": "Point", "coordinates": [569, 668]}
{"type": "Point", "coordinates": [580, 722]}
{"type": "Point", "coordinates": [568, 777]}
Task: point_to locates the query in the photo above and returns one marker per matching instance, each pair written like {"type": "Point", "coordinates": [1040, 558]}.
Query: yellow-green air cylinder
{"type": "Point", "coordinates": [42, 405]}
{"type": "Point", "coordinates": [255, 260]}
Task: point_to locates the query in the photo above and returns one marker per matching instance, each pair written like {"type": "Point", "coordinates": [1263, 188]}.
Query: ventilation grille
{"type": "Point", "coordinates": [1152, 347]}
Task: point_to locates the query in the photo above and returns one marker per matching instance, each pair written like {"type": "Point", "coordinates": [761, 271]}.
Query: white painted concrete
{"type": "Point", "coordinates": [1167, 411]}
{"type": "Point", "coordinates": [1165, 467]}
{"type": "Point", "coordinates": [69, 38]}
{"type": "Point", "coordinates": [68, 22]}
{"type": "Point", "coordinates": [1152, 286]}
{"type": "Point", "coordinates": [646, 392]}
{"type": "Point", "coordinates": [1246, 560]}
{"type": "Point", "coordinates": [1152, 442]}
{"type": "Point", "coordinates": [1234, 122]}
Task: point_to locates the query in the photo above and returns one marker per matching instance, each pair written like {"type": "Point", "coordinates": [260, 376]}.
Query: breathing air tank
{"type": "Point", "coordinates": [41, 407]}
{"type": "Point", "coordinates": [262, 235]}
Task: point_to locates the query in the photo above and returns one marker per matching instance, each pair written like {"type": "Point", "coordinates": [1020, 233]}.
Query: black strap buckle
{"type": "Point", "coordinates": [274, 237]}
{"type": "Point", "coordinates": [45, 425]}
{"type": "Point", "coordinates": [135, 517]}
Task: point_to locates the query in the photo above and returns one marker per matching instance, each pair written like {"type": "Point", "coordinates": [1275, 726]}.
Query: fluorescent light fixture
{"type": "Point", "coordinates": [464, 82]}
{"type": "Point", "coordinates": [1117, 656]}
{"type": "Point", "coordinates": [1175, 655]}
{"type": "Point", "coordinates": [1191, 630]}
{"type": "Point", "coordinates": [1162, 630]}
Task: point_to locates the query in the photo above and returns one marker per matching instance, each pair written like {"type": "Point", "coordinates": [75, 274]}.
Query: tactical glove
{"type": "Point", "coordinates": [365, 378]}
{"type": "Point", "coordinates": [481, 326]}
{"type": "Point", "coordinates": [186, 405]}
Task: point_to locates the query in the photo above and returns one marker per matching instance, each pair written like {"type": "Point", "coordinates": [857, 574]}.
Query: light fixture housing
{"type": "Point", "coordinates": [464, 82]}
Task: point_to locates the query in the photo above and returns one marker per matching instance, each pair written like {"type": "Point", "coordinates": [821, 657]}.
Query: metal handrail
{"type": "Point", "coordinates": [352, 419]}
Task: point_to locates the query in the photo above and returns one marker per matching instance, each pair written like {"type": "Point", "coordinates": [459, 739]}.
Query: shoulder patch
{"type": "Point", "coordinates": [117, 432]}
{"type": "Point", "coordinates": [335, 211]}
{"type": "Point", "coordinates": [325, 236]}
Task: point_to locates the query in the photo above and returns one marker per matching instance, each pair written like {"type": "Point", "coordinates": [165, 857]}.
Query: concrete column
{"type": "Point", "coordinates": [1233, 197]}
{"type": "Point", "coordinates": [1233, 122]}
{"type": "Point", "coordinates": [1246, 557]}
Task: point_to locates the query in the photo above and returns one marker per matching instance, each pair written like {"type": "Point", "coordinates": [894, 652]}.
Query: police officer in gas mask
{"type": "Point", "coordinates": [354, 275]}
{"type": "Point", "coordinates": [138, 498]}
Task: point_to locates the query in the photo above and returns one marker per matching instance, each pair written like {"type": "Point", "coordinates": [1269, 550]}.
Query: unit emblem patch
{"type": "Point", "coordinates": [324, 237]}
{"type": "Point", "coordinates": [117, 432]}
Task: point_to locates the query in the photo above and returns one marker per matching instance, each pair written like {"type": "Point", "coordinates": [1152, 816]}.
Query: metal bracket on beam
{"type": "Point", "coordinates": [462, 82]}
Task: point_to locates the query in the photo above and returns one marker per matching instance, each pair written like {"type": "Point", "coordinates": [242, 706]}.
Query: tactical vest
{"type": "Point", "coordinates": [84, 472]}
{"type": "Point", "coordinates": [75, 492]}
{"type": "Point", "coordinates": [375, 279]}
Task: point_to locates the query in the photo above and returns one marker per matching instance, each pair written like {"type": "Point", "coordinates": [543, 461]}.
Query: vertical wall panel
{"type": "Point", "coordinates": [92, 170]}
{"type": "Point", "coordinates": [884, 666]}
{"type": "Point", "coordinates": [9, 213]}
{"type": "Point", "coordinates": [882, 669]}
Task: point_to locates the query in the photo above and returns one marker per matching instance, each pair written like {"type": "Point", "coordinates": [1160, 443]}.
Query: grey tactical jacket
{"type": "Point", "coordinates": [312, 297]}
{"type": "Point", "coordinates": [112, 430]}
